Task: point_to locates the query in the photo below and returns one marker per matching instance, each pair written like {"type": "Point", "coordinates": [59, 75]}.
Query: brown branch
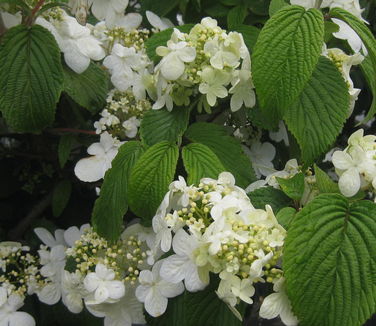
{"type": "Point", "coordinates": [17, 232]}
{"type": "Point", "coordinates": [37, 7]}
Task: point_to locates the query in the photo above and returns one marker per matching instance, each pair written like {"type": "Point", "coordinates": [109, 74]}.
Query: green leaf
{"type": "Point", "coordinates": [64, 149]}
{"type": "Point", "coordinates": [150, 178]}
{"type": "Point", "coordinates": [276, 5]}
{"type": "Point", "coordinates": [250, 35]}
{"type": "Point", "coordinates": [202, 308]}
{"type": "Point", "coordinates": [31, 78]}
{"type": "Point", "coordinates": [293, 187]}
{"type": "Point", "coordinates": [161, 38]}
{"type": "Point", "coordinates": [285, 55]}
{"type": "Point", "coordinates": [324, 183]}
{"type": "Point", "coordinates": [269, 196]}
{"type": "Point", "coordinates": [285, 216]}
{"type": "Point", "coordinates": [227, 148]}
{"type": "Point", "coordinates": [112, 204]}
{"type": "Point", "coordinates": [160, 8]}
{"type": "Point", "coordinates": [236, 16]}
{"type": "Point", "coordinates": [217, 10]}
{"type": "Point", "coordinates": [318, 115]}
{"type": "Point", "coordinates": [159, 125]}
{"type": "Point", "coordinates": [88, 89]}
{"type": "Point", "coordinates": [329, 262]}
{"type": "Point", "coordinates": [60, 197]}
{"type": "Point", "coordinates": [369, 73]}
{"type": "Point", "coordinates": [200, 162]}
{"type": "Point", "coordinates": [259, 7]}
{"type": "Point", "coordinates": [360, 28]}
{"type": "Point", "coordinates": [330, 28]}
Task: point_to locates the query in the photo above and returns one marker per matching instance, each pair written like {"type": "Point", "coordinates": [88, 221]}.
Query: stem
{"type": "Point", "coordinates": [3, 29]}
{"type": "Point", "coordinates": [73, 131]}
{"type": "Point", "coordinates": [36, 8]}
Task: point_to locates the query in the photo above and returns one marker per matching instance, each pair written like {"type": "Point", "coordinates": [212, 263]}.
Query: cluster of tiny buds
{"type": "Point", "coordinates": [123, 257]}
{"type": "Point", "coordinates": [135, 38]}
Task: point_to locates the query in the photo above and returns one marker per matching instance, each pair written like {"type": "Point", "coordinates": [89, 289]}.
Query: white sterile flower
{"type": "Point", "coordinates": [220, 56]}
{"type": "Point", "coordinates": [281, 134]}
{"type": "Point", "coordinates": [261, 156]}
{"type": "Point", "coordinates": [242, 90]}
{"type": "Point", "coordinates": [131, 127]}
{"type": "Point", "coordinates": [122, 63]}
{"type": "Point", "coordinates": [73, 233]}
{"type": "Point", "coordinates": [53, 261]}
{"type": "Point", "coordinates": [164, 98]}
{"type": "Point", "coordinates": [278, 304]}
{"type": "Point", "coordinates": [125, 312]}
{"type": "Point", "coordinates": [48, 239]}
{"type": "Point", "coordinates": [347, 33]}
{"type": "Point", "coordinates": [74, 40]}
{"type": "Point", "coordinates": [351, 6]}
{"type": "Point", "coordinates": [9, 316]}
{"type": "Point", "coordinates": [175, 55]}
{"type": "Point", "coordinates": [73, 291]}
{"type": "Point", "coordinates": [104, 285]}
{"type": "Point", "coordinates": [154, 291]}
{"type": "Point", "coordinates": [213, 84]}
{"type": "Point", "coordinates": [129, 21]}
{"type": "Point", "coordinates": [182, 266]}
{"type": "Point", "coordinates": [93, 168]}
{"type": "Point", "coordinates": [108, 10]}
{"type": "Point", "coordinates": [157, 22]}
{"type": "Point", "coordinates": [240, 288]}
{"type": "Point", "coordinates": [256, 269]}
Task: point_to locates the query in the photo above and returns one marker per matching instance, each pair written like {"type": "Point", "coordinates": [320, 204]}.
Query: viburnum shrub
{"type": "Point", "coordinates": [231, 153]}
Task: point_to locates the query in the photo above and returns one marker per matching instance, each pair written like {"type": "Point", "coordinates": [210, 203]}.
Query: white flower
{"type": "Point", "coordinates": [305, 3]}
{"type": "Point", "coordinates": [73, 233]}
{"type": "Point", "coordinates": [75, 41]}
{"type": "Point", "coordinates": [93, 168]}
{"type": "Point", "coordinates": [278, 304]}
{"type": "Point", "coordinates": [174, 56]}
{"type": "Point", "coordinates": [104, 285]}
{"type": "Point", "coordinates": [11, 20]}
{"type": "Point", "coordinates": [213, 84]}
{"type": "Point", "coordinates": [242, 90]}
{"type": "Point", "coordinates": [280, 135]}
{"type": "Point", "coordinates": [73, 291]}
{"type": "Point", "coordinates": [131, 127]}
{"type": "Point", "coordinates": [53, 261]}
{"type": "Point", "coordinates": [157, 22]}
{"type": "Point", "coordinates": [242, 289]}
{"type": "Point", "coordinates": [347, 33]}
{"type": "Point", "coordinates": [351, 6]}
{"type": "Point", "coordinates": [220, 56]}
{"type": "Point", "coordinates": [182, 266]}
{"type": "Point", "coordinates": [48, 239]}
{"type": "Point", "coordinates": [9, 316]}
{"type": "Point", "coordinates": [154, 291]}
{"type": "Point", "coordinates": [108, 10]}
{"type": "Point", "coordinates": [261, 156]}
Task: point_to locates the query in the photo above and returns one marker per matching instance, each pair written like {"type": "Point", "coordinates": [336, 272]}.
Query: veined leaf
{"type": "Point", "coordinates": [276, 5]}
{"type": "Point", "coordinates": [88, 89]}
{"type": "Point", "coordinates": [318, 115]}
{"type": "Point", "coordinates": [330, 262]}
{"type": "Point", "coordinates": [227, 149]}
{"type": "Point", "coordinates": [285, 55]}
{"type": "Point", "coordinates": [31, 78]}
{"type": "Point", "coordinates": [369, 73]}
{"type": "Point", "coordinates": [150, 178]}
{"type": "Point", "coordinates": [293, 187]}
{"type": "Point", "coordinates": [236, 16]}
{"type": "Point", "coordinates": [159, 125]}
{"type": "Point", "coordinates": [324, 183]}
{"type": "Point", "coordinates": [112, 204]}
{"type": "Point", "coordinates": [285, 216]}
{"type": "Point", "coordinates": [200, 162]}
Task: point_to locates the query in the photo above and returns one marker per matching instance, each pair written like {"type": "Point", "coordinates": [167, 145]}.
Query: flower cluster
{"type": "Point", "coordinates": [207, 61]}
{"type": "Point", "coordinates": [356, 164]}
{"type": "Point", "coordinates": [122, 115]}
{"type": "Point", "coordinates": [214, 228]}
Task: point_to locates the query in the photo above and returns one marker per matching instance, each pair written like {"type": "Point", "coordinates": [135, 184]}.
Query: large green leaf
{"type": "Point", "coordinates": [112, 204]}
{"type": "Point", "coordinates": [330, 262]}
{"type": "Point", "coordinates": [199, 162]}
{"type": "Point", "coordinates": [276, 5]}
{"type": "Point", "coordinates": [293, 187]}
{"type": "Point", "coordinates": [160, 8]}
{"type": "Point", "coordinates": [318, 115]}
{"type": "Point", "coordinates": [159, 125]}
{"type": "Point", "coordinates": [227, 148]}
{"type": "Point", "coordinates": [269, 196]}
{"type": "Point", "coordinates": [324, 183]}
{"type": "Point", "coordinates": [150, 179]}
{"type": "Point", "coordinates": [369, 73]}
{"type": "Point", "coordinates": [31, 78]}
{"type": "Point", "coordinates": [285, 55]}
{"type": "Point", "coordinates": [88, 89]}
{"type": "Point", "coordinates": [236, 16]}
{"type": "Point", "coordinates": [202, 308]}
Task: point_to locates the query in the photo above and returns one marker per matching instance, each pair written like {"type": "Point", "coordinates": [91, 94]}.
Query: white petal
{"type": "Point", "coordinates": [116, 289]}
{"type": "Point", "coordinates": [142, 291]}
{"type": "Point", "coordinates": [174, 268]}
{"type": "Point", "coordinates": [45, 236]}
{"type": "Point", "coordinates": [170, 290]}
{"type": "Point", "coordinates": [130, 21]}
{"type": "Point", "coordinates": [349, 182]}
{"type": "Point", "coordinates": [76, 60]}
{"type": "Point", "coordinates": [192, 280]}
{"type": "Point", "coordinates": [101, 294]}
{"type": "Point", "coordinates": [187, 54]}
{"type": "Point", "coordinates": [50, 294]}
{"type": "Point", "coordinates": [342, 160]}
{"type": "Point", "coordinates": [21, 318]}
{"type": "Point", "coordinates": [155, 304]}
{"type": "Point", "coordinates": [183, 243]}
{"type": "Point", "coordinates": [90, 169]}
{"type": "Point", "coordinates": [173, 67]}
{"type": "Point", "coordinates": [91, 282]}
{"type": "Point", "coordinates": [271, 306]}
